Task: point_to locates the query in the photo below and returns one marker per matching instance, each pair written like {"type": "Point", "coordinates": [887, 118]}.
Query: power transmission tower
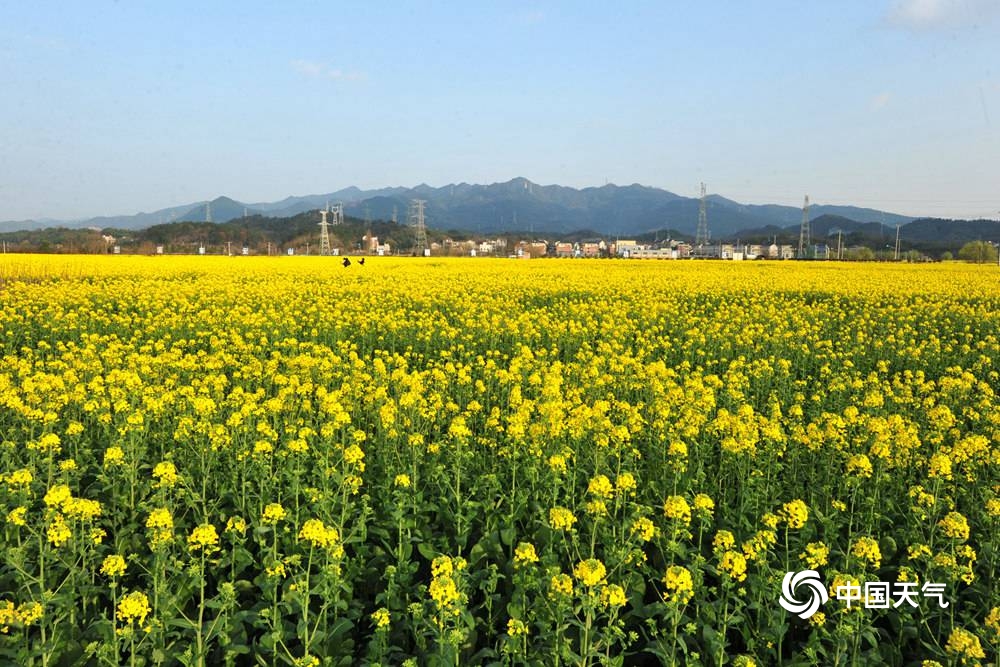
{"type": "Point", "coordinates": [395, 215]}
{"type": "Point", "coordinates": [324, 232]}
{"type": "Point", "coordinates": [805, 236]}
{"type": "Point", "coordinates": [208, 212]}
{"type": "Point", "coordinates": [368, 229]}
{"type": "Point", "coordinates": [897, 243]}
{"type": "Point", "coordinates": [701, 236]}
{"type": "Point", "coordinates": [416, 220]}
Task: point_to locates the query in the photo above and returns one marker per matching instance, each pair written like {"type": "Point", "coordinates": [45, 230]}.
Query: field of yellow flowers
{"type": "Point", "coordinates": [283, 461]}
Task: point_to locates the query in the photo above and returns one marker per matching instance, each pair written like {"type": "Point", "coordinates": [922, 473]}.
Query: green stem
{"type": "Point", "coordinates": [200, 656]}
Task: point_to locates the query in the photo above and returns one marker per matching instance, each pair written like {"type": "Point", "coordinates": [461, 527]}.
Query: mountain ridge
{"type": "Point", "coordinates": [502, 206]}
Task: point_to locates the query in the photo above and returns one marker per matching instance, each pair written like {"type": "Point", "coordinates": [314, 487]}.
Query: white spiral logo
{"type": "Point", "coordinates": [817, 593]}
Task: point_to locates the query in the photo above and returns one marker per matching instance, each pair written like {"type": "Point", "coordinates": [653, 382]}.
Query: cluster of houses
{"type": "Point", "coordinates": [370, 244]}
{"type": "Point", "coordinates": [626, 248]}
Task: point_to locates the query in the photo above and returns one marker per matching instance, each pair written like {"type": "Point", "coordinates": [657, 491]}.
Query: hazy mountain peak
{"type": "Point", "coordinates": [518, 203]}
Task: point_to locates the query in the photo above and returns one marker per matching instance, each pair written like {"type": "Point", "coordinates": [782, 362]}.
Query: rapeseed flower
{"type": "Point", "coordinates": [677, 509]}
{"type": "Point", "coordinates": [273, 513]}
{"type": "Point", "coordinates": [134, 607]}
{"type": "Point", "coordinates": [590, 572]}
{"type": "Point", "coordinates": [113, 566]}
{"type": "Point", "coordinates": [678, 585]}
{"type": "Point", "coordinates": [561, 518]}
{"type": "Point", "coordinates": [964, 645]}
{"type": "Point", "coordinates": [203, 538]}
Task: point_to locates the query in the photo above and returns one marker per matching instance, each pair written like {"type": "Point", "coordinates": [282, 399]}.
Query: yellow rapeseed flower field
{"type": "Point", "coordinates": [284, 461]}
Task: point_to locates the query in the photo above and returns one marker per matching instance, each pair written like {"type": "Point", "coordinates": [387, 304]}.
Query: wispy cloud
{"type": "Point", "coordinates": [533, 16]}
{"type": "Point", "coordinates": [880, 101]}
{"type": "Point", "coordinates": [318, 70]}
{"type": "Point", "coordinates": [941, 14]}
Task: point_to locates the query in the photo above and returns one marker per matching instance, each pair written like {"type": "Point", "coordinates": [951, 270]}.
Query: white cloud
{"type": "Point", "coordinates": [880, 100]}
{"type": "Point", "coordinates": [935, 14]}
{"type": "Point", "coordinates": [318, 70]}
{"type": "Point", "coordinates": [307, 67]}
{"type": "Point", "coordinates": [533, 16]}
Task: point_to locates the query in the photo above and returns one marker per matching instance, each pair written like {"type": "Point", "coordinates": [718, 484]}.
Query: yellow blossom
{"type": "Point", "coordinates": [561, 585]}
{"type": "Point", "coordinates": [113, 456]}
{"type": "Point", "coordinates": [160, 525]}
{"type": "Point", "coordinates": [273, 513]}
{"type": "Point", "coordinates": [82, 508]}
{"type": "Point", "coordinates": [318, 534]}
{"type": "Point", "coordinates": [113, 566]}
{"type": "Point", "coordinates": [525, 554]}
{"type": "Point", "coordinates": [30, 613]}
{"type": "Point", "coordinates": [590, 572]}
{"type": "Point", "coordinates": [939, 466]}
{"type": "Point", "coordinates": [380, 618]}
{"type": "Point", "coordinates": [859, 465]}
{"type": "Point", "coordinates": [795, 513]}
{"type": "Point", "coordinates": [442, 566]}
{"type": "Point", "coordinates": [134, 607]}
{"type": "Point", "coordinates": [16, 516]}
{"type": "Point", "coordinates": [57, 496]}
{"type": "Point", "coordinates": [992, 622]}
{"type": "Point", "coordinates": [815, 555]}
{"type": "Point", "coordinates": [734, 564]}
{"type": "Point", "coordinates": [625, 484]}
{"type": "Point", "coordinates": [677, 508]}
{"type": "Point", "coordinates": [964, 644]}
{"type": "Point", "coordinates": [678, 585]}
{"type": "Point", "coordinates": [613, 596]}
{"type": "Point", "coordinates": [867, 549]}
{"type": "Point", "coordinates": [236, 525]}
{"type": "Point", "coordinates": [561, 518]}
{"type": "Point", "coordinates": [165, 474]}
{"type": "Point", "coordinates": [557, 462]}
{"type": "Point", "coordinates": [955, 526]}
{"type": "Point", "coordinates": [354, 455]}
{"type": "Point", "coordinates": [58, 532]}
{"type": "Point", "coordinates": [723, 541]}
{"type": "Point", "coordinates": [203, 538]}
{"type": "Point", "coordinates": [703, 505]}
{"type": "Point", "coordinates": [20, 479]}
{"type": "Point", "coordinates": [596, 508]}
{"type": "Point", "coordinates": [600, 486]}
{"type": "Point", "coordinates": [516, 628]}
{"type": "Point", "coordinates": [644, 528]}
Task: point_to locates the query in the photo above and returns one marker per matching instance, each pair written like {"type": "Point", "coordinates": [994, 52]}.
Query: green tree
{"type": "Point", "coordinates": [980, 252]}
{"type": "Point", "coordinates": [861, 254]}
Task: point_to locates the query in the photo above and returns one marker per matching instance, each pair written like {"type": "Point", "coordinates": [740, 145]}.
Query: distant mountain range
{"type": "Point", "coordinates": [931, 235]}
{"type": "Point", "coordinates": [516, 205]}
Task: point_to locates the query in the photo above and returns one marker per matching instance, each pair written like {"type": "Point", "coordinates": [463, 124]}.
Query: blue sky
{"type": "Point", "coordinates": [112, 108]}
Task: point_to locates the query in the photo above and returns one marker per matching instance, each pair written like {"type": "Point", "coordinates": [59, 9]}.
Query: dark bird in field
{"type": "Point", "coordinates": [361, 261]}
{"type": "Point", "coordinates": [346, 262]}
